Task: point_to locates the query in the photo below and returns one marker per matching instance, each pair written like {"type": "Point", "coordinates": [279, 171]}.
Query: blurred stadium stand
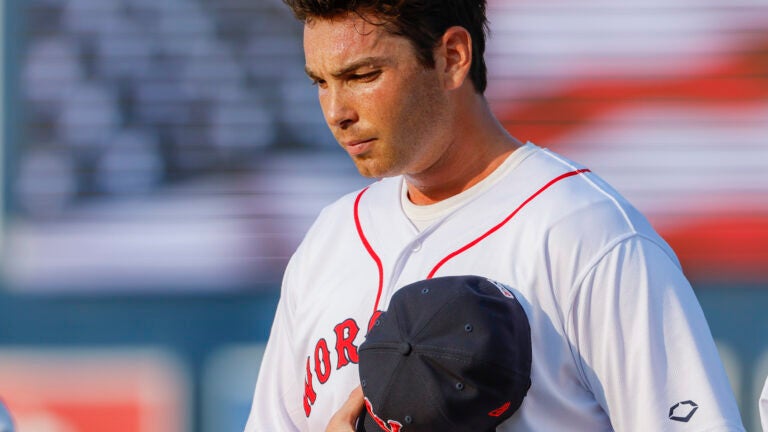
{"type": "Point", "coordinates": [164, 157]}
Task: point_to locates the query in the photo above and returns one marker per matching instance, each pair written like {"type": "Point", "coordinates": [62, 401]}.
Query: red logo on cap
{"type": "Point", "coordinates": [389, 426]}
{"type": "Point", "coordinates": [500, 410]}
{"type": "Point", "coordinates": [504, 291]}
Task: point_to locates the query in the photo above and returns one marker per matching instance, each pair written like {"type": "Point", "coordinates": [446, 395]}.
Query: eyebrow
{"type": "Point", "coordinates": [346, 70]}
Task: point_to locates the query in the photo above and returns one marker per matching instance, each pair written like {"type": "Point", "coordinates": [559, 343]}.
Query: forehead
{"type": "Point", "coordinates": [335, 41]}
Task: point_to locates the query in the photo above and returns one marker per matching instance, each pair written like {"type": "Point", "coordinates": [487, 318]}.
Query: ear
{"type": "Point", "coordinates": [454, 56]}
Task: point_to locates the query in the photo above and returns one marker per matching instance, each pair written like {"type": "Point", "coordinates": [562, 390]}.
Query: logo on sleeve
{"type": "Point", "coordinates": [683, 411]}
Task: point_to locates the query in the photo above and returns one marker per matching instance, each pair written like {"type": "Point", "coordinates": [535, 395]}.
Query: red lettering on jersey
{"type": "Point", "coordinates": [322, 361]}
{"type": "Point", "coordinates": [389, 426]}
{"type": "Point", "coordinates": [309, 393]}
{"type": "Point", "coordinates": [346, 332]}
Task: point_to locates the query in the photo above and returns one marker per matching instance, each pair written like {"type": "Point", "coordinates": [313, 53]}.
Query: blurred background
{"type": "Point", "coordinates": [161, 159]}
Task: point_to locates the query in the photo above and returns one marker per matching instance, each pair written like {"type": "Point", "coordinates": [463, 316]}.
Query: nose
{"type": "Point", "coordinates": [337, 108]}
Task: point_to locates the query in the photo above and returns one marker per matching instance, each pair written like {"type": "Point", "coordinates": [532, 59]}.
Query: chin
{"type": "Point", "coordinates": [371, 174]}
{"type": "Point", "coordinates": [372, 170]}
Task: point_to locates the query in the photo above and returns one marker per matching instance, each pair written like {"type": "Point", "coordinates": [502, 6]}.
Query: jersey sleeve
{"type": "Point", "coordinates": [643, 345]}
{"type": "Point", "coordinates": [277, 397]}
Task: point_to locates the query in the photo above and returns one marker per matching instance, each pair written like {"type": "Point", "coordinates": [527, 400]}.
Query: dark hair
{"type": "Point", "coordinates": [423, 22]}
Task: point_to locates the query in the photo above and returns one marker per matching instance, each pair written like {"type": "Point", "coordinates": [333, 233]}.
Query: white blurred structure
{"type": "Point", "coordinates": [161, 139]}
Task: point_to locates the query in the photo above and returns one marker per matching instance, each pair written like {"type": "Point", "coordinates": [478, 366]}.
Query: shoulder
{"type": "Point", "coordinates": [337, 222]}
{"type": "Point", "coordinates": [373, 193]}
{"type": "Point", "coordinates": [375, 196]}
{"type": "Point", "coordinates": [583, 209]}
{"type": "Point", "coordinates": [577, 216]}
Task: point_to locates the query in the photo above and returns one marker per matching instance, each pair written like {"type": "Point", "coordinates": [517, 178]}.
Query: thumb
{"type": "Point", "coordinates": [345, 418]}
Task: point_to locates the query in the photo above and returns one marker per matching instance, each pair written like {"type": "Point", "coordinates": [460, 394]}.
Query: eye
{"type": "Point", "coordinates": [318, 82]}
{"type": "Point", "coordinates": [366, 77]}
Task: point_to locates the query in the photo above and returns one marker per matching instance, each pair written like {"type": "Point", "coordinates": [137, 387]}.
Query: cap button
{"type": "Point", "coordinates": [404, 348]}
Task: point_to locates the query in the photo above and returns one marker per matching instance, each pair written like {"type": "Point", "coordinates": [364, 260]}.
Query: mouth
{"type": "Point", "coordinates": [358, 147]}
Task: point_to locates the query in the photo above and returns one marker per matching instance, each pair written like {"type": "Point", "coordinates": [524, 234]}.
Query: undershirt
{"type": "Point", "coordinates": [423, 216]}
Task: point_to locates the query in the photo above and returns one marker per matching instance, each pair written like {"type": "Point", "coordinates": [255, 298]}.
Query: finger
{"type": "Point", "coordinates": [345, 418]}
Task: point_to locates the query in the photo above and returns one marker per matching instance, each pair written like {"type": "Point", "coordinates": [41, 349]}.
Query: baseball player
{"type": "Point", "coordinates": [619, 341]}
{"type": "Point", "coordinates": [763, 406]}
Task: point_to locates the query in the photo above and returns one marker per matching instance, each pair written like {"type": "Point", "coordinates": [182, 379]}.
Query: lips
{"type": "Point", "coordinates": [357, 147]}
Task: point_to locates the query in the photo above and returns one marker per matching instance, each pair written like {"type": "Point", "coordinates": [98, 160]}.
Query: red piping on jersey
{"type": "Point", "coordinates": [370, 250]}
{"type": "Point", "coordinates": [502, 223]}
{"type": "Point", "coordinates": [464, 248]}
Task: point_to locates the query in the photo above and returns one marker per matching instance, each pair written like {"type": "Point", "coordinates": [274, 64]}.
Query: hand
{"type": "Point", "coordinates": [345, 418]}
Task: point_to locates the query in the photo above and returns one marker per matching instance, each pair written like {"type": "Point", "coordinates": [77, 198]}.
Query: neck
{"type": "Point", "coordinates": [479, 146]}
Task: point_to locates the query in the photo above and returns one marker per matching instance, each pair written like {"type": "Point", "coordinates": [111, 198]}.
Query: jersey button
{"type": "Point", "coordinates": [416, 246]}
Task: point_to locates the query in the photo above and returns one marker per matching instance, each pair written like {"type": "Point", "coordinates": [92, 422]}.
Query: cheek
{"type": "Point", "coordinates": [399, 99]}
{"type": "Point", "coordinates": [404, 109]}
{"type": "Point", "coordinates": [421, 106]}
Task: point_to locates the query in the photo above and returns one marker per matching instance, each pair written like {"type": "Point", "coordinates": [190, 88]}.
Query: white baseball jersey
{"type": "Point", "coordinates": [619, 339]}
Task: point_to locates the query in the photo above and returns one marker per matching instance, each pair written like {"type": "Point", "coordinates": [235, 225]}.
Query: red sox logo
{"type": "Point", "coordinates": [389, 426]}
{"type": "Point", "coordinates": [504, 290]}
{"type": "Point", "coordinates": [500, 410]}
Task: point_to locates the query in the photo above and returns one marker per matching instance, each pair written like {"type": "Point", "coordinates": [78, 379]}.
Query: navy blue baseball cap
{"type": "Point", "coordinates": [449, 354]}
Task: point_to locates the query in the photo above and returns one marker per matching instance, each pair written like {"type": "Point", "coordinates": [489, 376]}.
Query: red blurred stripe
{"type": "Point", "coordinates": [740, 81]}
{"type": "Point", "coordinates": [723, 248]}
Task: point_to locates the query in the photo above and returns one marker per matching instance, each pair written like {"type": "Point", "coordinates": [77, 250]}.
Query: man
{"type": "Point", "coordinates": [762, 406]}
{"type": "Point", "coordinates": [619, 341]}
{"type": "Point", "coordinates": [6, 421]}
